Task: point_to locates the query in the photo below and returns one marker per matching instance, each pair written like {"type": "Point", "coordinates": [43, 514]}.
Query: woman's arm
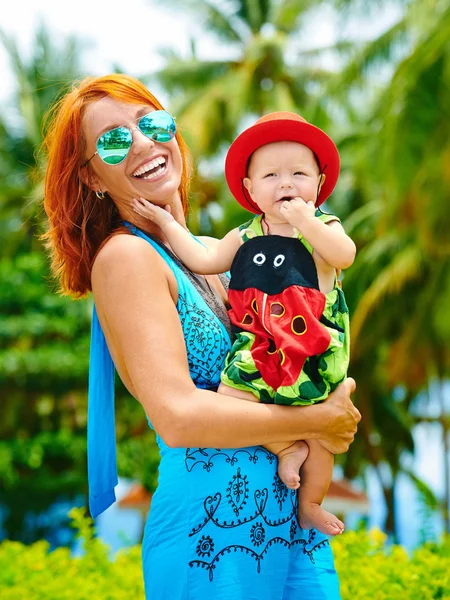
{"type": "Point", "coordinates": [206, 260]}
{"type": "Point", "coordinates": [329, 240]}
{"type": "Point", "coordinates": [146, 341]}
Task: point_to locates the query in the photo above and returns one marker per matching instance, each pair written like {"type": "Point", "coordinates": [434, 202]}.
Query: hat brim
{"type": "Point", "coordinates": [288, 130]}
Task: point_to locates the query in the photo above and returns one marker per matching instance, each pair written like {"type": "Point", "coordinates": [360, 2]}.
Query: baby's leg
{"type": "Point", "coordinates": [290, 459]}
{"type": "Point", "coordinates": [316, 477]}
{"type": "Point", "coordinates": [290, 456]}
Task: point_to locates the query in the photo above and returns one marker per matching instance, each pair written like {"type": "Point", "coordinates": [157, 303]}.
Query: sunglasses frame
{"type": "Point", "coordinates": [171, 132]}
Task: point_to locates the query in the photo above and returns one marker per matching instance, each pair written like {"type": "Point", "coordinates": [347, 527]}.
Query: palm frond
{"type": "Point", "coordinates": [341, 48]}
{"type": "Point", "coordinates": [254, 13]}
{"type": "Point", "coordinates": [209, 119]}
{"type": "Point", "coordinates": [368, 56]}
{"type": "Point", "coordinates": [216, 17]}
{"type": "Point", "coordinates": [404, 267]}
{"type": "Point", "coordinates": [366, 212]}
{"type": "Point", "coordinates": [366, 7]}
{"type": "Point", "coordinates": [429, 497]}
{"type": "Point", "coordinates": [286, 15]}
{"type": "Point", "coordinates": [186, 75]}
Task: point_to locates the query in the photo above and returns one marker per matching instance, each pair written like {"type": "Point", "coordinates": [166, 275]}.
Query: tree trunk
{"type": "Point", "coordinates": [389, 496]}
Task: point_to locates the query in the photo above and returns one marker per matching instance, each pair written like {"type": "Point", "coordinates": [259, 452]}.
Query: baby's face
{"type": "Point", "coordinates": [280, 171]}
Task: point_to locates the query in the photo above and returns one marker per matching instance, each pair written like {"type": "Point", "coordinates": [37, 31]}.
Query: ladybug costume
{"type": "Point", "coordinates": [292, 342]}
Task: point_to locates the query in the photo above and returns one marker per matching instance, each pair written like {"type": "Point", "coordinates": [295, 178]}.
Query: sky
{"type": "Point", "coordinates": [128, 32]}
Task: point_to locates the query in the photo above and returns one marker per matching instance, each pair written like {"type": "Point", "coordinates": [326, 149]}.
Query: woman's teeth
{"type": "Point", "coordinates": [151, 169]}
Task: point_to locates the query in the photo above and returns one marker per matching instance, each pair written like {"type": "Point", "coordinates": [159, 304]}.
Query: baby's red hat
{"type": "Point", "coordinates": [280, 127]}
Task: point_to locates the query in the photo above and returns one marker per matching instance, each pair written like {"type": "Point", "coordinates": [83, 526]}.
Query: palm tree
{"type": "Point", "coordinates": [217, 95]}
{"type": "Point", "coordinates": [398, 155]}
{"type": "Point", "coordinates": [268, 70]}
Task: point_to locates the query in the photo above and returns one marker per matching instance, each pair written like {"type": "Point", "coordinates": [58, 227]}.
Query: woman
{"type": "Point", "coordinates": [221, 525]}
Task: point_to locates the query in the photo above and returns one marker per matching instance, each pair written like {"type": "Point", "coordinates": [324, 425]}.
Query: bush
{"type": "Point", "coordinates": [368, 570]}
{"type": "Point", "coordinates": [35, 573]}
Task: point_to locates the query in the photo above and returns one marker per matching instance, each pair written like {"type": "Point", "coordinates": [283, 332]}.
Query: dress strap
{"type": "Point", "coordinates": [251, 228]}
{"type": "Point", "coordinates": [326, 217]}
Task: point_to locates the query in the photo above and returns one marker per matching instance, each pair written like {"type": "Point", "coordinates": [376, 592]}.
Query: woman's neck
{"type": "Point", "coordinates": [128, 214]}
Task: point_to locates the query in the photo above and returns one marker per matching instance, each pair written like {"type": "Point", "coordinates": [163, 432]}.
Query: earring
{"type": "Point", "coordinates": [100, 194]}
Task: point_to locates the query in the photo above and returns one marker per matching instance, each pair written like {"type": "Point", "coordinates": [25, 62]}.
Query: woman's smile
{"type": "Point", "coordinates": [152, 169]}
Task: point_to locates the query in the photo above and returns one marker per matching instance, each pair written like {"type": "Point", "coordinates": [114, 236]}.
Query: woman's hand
{"type": "Point", "coordinates": [340, 424]}
{"type": "Point", "coordinates": [160, 216]}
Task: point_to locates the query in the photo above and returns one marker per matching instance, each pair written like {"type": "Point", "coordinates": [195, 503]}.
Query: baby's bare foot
{"type": "Point", "coordinates": [289, 462]}
{"type": "Point", "coordinates": [312, 515]}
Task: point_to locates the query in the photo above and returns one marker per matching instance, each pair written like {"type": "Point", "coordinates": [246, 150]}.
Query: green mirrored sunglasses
{"type": "Point", "coordinates": [114, 145]}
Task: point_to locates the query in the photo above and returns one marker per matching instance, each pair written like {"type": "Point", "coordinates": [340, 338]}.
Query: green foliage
{"type": "Point", "coordinates": [44, 356]}
{"type": "Point", "coordinates": [34, 572]}
{"type": "Point", "coordinates": [138, 458]}
{"type": "Point", "coordinates": [45, 340]}
{"type": "Point", "coordinates": [367, 569]}
{"type": "Point", "coordinates": [394, 189]}
{"type": "Point", "coordinates": [48, 467]}
{"type": "Point", "coordinates": [44, 360]}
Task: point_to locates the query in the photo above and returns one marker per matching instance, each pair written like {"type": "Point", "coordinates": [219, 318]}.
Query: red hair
{"type": "Point", "coordinates": [78, 223]}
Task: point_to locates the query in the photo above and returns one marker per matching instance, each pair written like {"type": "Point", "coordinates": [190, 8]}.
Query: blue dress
{"type": "Point", "coordinates": [222, 525]}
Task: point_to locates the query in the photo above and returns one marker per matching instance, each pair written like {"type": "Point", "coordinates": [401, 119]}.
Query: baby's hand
{"type": "Point", "coordinates": [296, 211]}
{"type": "Point", "coordinates": [160, 216]}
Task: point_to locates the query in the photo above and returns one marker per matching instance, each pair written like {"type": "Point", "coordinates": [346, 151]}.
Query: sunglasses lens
{"type": "Point", "coordinates": [158, 125]}
{"type": "Point", "coordinates": [113, 145]}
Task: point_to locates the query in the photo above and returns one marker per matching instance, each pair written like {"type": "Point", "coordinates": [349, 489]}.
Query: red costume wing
{"type": "Point", "coordinates": [286, 327]}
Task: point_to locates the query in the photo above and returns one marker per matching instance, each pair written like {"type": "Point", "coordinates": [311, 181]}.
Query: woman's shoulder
{"type": "Point", "coordinates": [123, 253]}
{"type": "Point", "coordinates": [119, 242]}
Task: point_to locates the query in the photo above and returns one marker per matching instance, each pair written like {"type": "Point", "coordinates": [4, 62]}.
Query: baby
{"type": "Point", "coordinates": [287, 308]}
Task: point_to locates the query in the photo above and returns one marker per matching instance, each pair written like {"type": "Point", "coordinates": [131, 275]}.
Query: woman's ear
{"type": "Point", "coordinates": [86, 177]}
{"type": "Point", "coordinates": [89, 179]}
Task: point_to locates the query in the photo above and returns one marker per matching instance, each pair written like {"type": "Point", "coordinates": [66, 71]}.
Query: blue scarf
{"type": "Point", "coordinates": [101, 436]}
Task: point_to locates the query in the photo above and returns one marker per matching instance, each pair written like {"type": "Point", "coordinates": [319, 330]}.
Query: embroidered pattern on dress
{"type": "Point", "coordinates": [280, 491]}
{"type": "Point", "coordinates": [204, 456]}
{"type": "Point", "coordinates": [246, 509]}
{"type": "Point", "coordinates": [237, 492]}
{"type": "Point", "coordinates": [260, 497]}
{"type": "Point", "coordinates": [206, 344]}
{"type": "Point", "coordinates": [257, 536]}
